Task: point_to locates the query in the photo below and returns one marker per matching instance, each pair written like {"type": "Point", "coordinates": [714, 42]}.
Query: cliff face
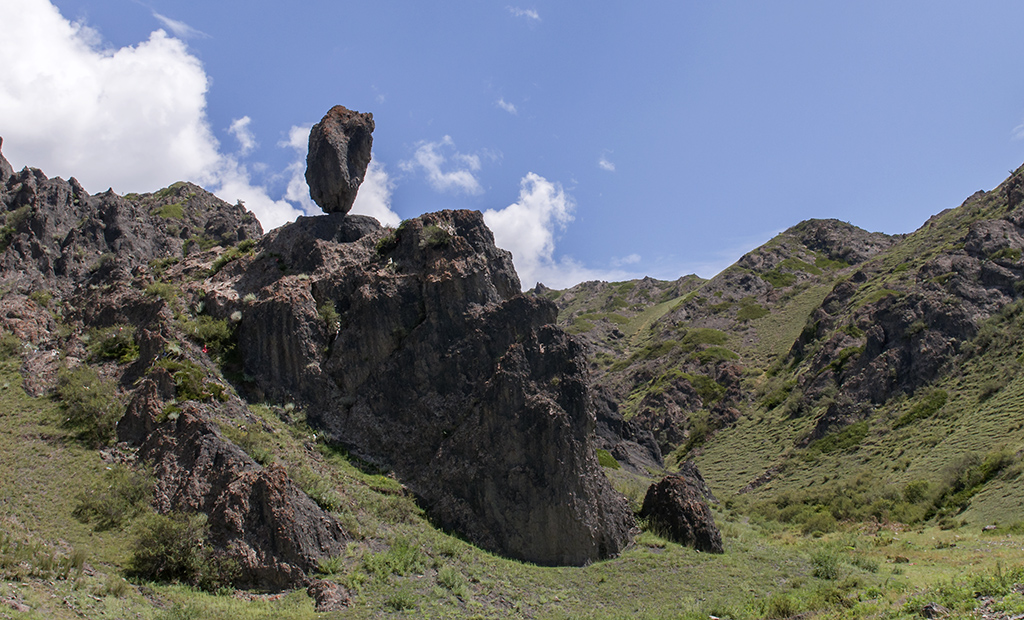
{"type": "Point", "coordinates": [413, 348]}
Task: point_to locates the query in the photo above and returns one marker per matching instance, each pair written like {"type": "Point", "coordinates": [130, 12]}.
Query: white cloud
{"type": "Point", "coordinates": [527, 13]}
{"type": "Point", "coordinates": [374, 197]}
{"type": "Point", "coordinates": [527, 227]}
{"type": "Point", "coordinates": [133, 118]}
{"type": "Point", "coordinates": [508, 107]}
{"type": "Point", "coordinates": [604, 164]}
{"type": "Point", "coordinates": [234, 183]}
{"type": "Point", "coordinates": [441, 174]}
{"type": "Point", "coordinates": [632, 259]}
{"type": "Point", "coordinates": [180, 29]}
{"type": "Point", "coordinates": [246, 140]}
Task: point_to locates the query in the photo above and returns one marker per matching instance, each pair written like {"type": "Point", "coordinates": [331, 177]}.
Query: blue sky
{"type": "Point", "coordinates": [603, 140]}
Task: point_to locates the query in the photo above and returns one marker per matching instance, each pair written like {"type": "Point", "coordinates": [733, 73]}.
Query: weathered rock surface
{"type": "Point", "coordinates": [431, 363]}
{"type": "Point", "coordinates": [676, 507]}
{"type": "Point", "coordinates": [56, 235]}
{"type": "Point", "coordinates": [339, 152]}
{"type": "Point", "coordinates": [260, 518]}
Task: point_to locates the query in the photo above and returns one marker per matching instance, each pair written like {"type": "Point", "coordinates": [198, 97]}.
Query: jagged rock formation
{"type": "Point", "coordinates": [339, 151]}
{"type": "Point", "coordinates": [93, 254]}
{"type": "Point", "coordinates": [414, 348]}
{"type": "Point", "coordinates": [260, 517]}
{"type": "Point", "coordinates": [676, 507]}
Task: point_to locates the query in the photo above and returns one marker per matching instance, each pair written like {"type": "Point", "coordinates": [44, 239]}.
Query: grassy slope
{"type": "Point", "coordinates": [42, 469]}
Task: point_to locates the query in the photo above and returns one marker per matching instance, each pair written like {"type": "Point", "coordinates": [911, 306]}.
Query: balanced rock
{"type": "Point", "coordinates": [676, 507]}
{"type": "Point", "coordinates": [339, 151]}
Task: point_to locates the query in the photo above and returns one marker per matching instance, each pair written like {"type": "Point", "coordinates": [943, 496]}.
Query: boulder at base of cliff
{"type": "Point", "coordinates": [675, 507]}
{"type": "Point", "coordinates": [339, 152]}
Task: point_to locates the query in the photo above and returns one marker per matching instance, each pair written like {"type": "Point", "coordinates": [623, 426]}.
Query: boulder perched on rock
{"type": "Point", "coordinates": [339, 151]}
{"type": "Point", "coordinates": [415, 350]}
{"type": "Point", "coordinates": [676, 507]}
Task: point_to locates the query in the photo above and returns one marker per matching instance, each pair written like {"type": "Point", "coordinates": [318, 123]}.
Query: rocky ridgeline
{"type": "Point", "coordinates": [412, 347]}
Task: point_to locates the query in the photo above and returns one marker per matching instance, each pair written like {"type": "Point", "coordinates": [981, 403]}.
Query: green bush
{"type": "Point", "coordinates": [848, 438]}
{"type": "Point", "coordinates": [452, 580]}
{"type": "Point", "coordinates": [90, 404]}
{"type": "Point", "coordinates": [173, 548]}
{"type": "Point", "coordinates": [826, 564]}
{"type": "Point", "coordinates": [402, 558]}
{"type": "Point", "coordinates": [925, 408]}
{"type": "Point", "coordinates": [750, 311]}
{"type": "Point", "coordinates": [190, 381]}
{"type": "Point", "coordinates": [244, 248]}
{"type": "Point", "coordinates": [116, 342]}
{"type": "Point", "coordinates": [434, 236]}
{"type": "Point", "coordinates": [121, 495]}
{"type": "Point", "coordinates": [606, 459]}
{"type": "Point", "coordinates": [163, 290]}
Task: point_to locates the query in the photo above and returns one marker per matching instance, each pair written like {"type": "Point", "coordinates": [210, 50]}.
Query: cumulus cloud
{"type": "Point", "coordinates": [527, 13]}
{"type": "Point", "coordinates": [179, 28]}
{"type": "Point", "coordinates": [240, 129]}
{"type": "Point", "coordinates": [604, 164]}
{"type": "Point", "coordinates": [527, 227]}
{"type": "Point", "coordinates": [235, 183]}
{"type": "Point", "coordinates": [133, 118]}
{"type": "Point", "coordinates": [374, 197]}
{"type": "Point", "coordinates": [508, 107]}
{"type": "Point", "coordinates": [446, 173]}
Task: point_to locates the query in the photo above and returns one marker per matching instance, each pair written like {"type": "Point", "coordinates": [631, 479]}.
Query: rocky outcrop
{"type": "Point", "coordinates": [55, 235]}
{"type": "Point", "coordinates": [257, 515]}
{"type": "Point", "coordinates": [339, 152]}
{"type": "Point", "coordinates": [415, 349]}
{"type": "Point", "coordinates": [6, 170]}
{"type": "Point", "coordinates": [676, 508]}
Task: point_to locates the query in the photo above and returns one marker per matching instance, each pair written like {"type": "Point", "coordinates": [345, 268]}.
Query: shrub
{"type": "Point", "coordinates": [163, 290]}
{"type": "Point", "coordinates": [750, 311]}
{"type": "Point", "coordinates": [387, 243]}
{"type": "Point", "coordinates": [190, 381]}
{"type": "Point", "coordinates": [826, 564]}
{"type": "Point", "coordinates": [116, 342]}
{"type": "Point", "coordinates": [10, 346]}
{"type": "Point", "coordinates": [452, 580]}
{"type": "Point", "coordinates": [606, 459]}
{"type": "Point", "coordinates": [926, 408]}
{"type": "Point", "coordinates": [42, 298]}
{"type": "Point", "coordinates": [121, 495]}
{"type": "Point", "coordinates": [329, 315]}
{"type": "Point", "coordinates": [402, 558]}
{"type": "Point", "coordinates": [173, 211]}
{"type": "Point", "coordinates": [172, 548]}
{"type": "Point", "coordinates": [90, 404]}
{"type": "Point", "coordinates": [849, 437]}
{"type": "Point", "coordinates": [244, 248]}
{"type": "Point", "coordinates": [434, 236]}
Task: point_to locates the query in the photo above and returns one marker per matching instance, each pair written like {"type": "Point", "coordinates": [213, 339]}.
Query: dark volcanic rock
{"type": "Point", "coordinates": [339, 151]}
{"type": "Point", "coordinates": [257, 515]}
{"type": "Point", "coordinates": [437, 368]}
{"type": "Point", "coordinates": [676, 507]}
